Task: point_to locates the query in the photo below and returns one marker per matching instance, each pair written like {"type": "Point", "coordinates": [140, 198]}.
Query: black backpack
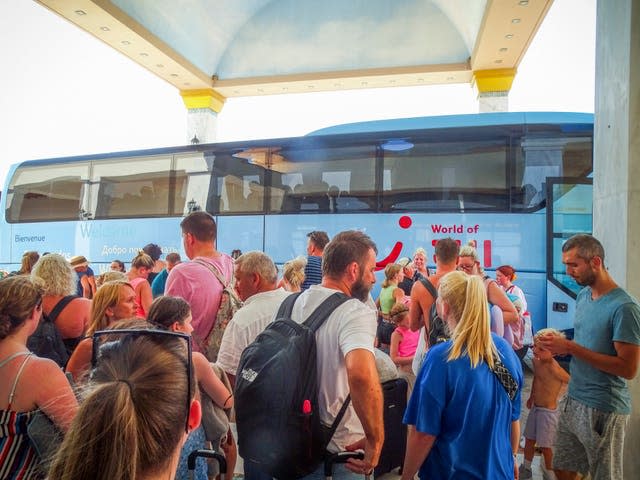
{"type": "Point", "coordinates": [46, 341]}
{"type": "Point", "coordinates": [276, 395]}
{"type": "Point", "coordinates": [438, 331]}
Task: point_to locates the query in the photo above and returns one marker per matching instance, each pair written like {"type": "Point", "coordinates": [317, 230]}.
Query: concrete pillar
{"type": "Point", "coordinates": [493, 89]}
{"type": "Point", "coordinates": [616, 213]}
{"type": "Point", "coordinates": [202, 120]}
{"type": "Point", "coordinates": [493, 102]}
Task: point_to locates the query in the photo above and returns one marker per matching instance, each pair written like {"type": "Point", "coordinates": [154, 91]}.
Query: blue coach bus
{"type": "Point", "coordinates": [517, 184]}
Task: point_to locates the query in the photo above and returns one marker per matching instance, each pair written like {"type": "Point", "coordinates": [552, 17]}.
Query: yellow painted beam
{"type": "Point", "coordinates": [203, 98]}
{"type": "Point", "coordinates": [498, 80]}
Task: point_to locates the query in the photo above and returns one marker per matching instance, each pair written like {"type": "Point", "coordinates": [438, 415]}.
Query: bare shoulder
{"type": "Point", "coordinates": [80, 304]}
{"type": "Point", "coordinates": [42, 369]}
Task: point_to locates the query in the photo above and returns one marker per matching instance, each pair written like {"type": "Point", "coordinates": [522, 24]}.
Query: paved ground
{"type": "Point", "coordinates": [537, 473]}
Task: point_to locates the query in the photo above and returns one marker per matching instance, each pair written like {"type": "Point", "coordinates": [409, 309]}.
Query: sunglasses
{"type": "Point", "coordinates": [108, 340]}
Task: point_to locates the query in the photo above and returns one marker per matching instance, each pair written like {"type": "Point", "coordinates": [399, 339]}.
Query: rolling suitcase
{"type": "Point", "coordinates": [193, 456]}
{"type": "Point", "coordinates": [395, 432]}
{"type": "Point", "coordinates": [340, 457]}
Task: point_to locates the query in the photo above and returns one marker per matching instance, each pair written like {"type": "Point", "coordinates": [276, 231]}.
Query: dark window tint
{"type": "Point", "coordinates": [131, 187]}
{"type": "Point", "coordinates": [48, 192]}
{"type": "Point", "coordinates": [453, 176]}
{"type": "Point", "coordinates": [323, 178]}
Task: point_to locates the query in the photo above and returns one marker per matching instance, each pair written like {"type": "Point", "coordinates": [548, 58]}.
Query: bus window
{"type": "Point", "coordinates": [47, 192]}
{"type": "Point", "coordinates": [334, 179]}
{"type": "Point", "coordinates": [131, 187]}
{"type": "Point", "coordinates": [539, 158]}
{"type": "Point", "coordinates": [238, 186]}
{"type": "Point", "coordinates": [192, 180]}
{"type": "Point", "coordinates": [453, 177]}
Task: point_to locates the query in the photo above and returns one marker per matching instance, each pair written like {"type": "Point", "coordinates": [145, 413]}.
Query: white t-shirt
{"type": "Point", "coordinates": [351, 326]}
{"type": "Point", "coordinates": [257, 312]}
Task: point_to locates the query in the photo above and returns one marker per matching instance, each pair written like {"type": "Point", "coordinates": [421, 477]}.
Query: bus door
{"type": "Point", "coordinates": [569, 211]}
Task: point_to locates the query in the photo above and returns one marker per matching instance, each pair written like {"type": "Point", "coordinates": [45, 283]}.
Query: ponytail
{"type": "Point", "coordinates": [132, 417]}
{"type": "Point", "coordinates": [467, 299]}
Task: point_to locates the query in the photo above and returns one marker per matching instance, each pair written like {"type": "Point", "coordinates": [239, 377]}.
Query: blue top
{"type": "Point", "coordinates": [312, 272]}
{"type": "Point", "coordinates": [79, 290]}
{"type": "Point", "coordinates": [614, 317]}
{"type": "Point", "coordinates": [157, 286]}
{"type": "Point", "coordinates": [469, 412]}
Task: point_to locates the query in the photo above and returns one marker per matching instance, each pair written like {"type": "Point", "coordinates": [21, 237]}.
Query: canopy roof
{"type": "Point", "coordinates": [260, 47]}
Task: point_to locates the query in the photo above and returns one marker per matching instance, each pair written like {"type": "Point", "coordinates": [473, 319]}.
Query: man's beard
{"type": "Point", "coordinates": [360, 290]}
{"type": "Point", "coordinates": [587, 279]}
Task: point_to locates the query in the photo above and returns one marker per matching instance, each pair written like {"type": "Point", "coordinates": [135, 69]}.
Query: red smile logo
{"type": "Point", "coordinates": [404, 222]}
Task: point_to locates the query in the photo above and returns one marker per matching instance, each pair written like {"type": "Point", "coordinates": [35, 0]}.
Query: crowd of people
{"type": "Point", "coordinates": [151, 356]}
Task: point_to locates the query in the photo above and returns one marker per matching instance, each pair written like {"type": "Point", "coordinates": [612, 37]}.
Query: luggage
{"type": "Point", "coordinates": [340, 457]}
{"type": "Point", "coordinates": [276, 395]}
{"type": "Point", "coordinates": [394, 393]}
{"type": "Point", "coordinates": [193, 456]}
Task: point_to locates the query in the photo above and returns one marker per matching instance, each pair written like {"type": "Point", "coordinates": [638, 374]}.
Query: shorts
{"type": "Point", "coordinates": [589, 441]}
{"type": "Point", "coordinates": [541, 426]}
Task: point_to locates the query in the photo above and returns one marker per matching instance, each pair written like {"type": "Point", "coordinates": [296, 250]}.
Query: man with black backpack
{"type": "Point", "coordinates": [343, 364]}
{"type": "Point", "coordinates": [423, 298]}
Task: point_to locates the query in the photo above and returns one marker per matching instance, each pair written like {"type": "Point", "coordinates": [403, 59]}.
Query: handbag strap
{"type": "Point", "coordinates": [504, 376]}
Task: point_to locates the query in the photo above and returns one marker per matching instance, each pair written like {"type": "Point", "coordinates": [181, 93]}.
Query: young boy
{"type": "Point", "coordinates": [549, 378]}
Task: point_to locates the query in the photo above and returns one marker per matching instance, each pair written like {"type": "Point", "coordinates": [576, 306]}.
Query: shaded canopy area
{"type": "Point", "coordinates": [234, 48]}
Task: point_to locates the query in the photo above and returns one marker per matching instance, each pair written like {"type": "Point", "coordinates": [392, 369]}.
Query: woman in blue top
{"type": "Point", "coordinates": [462, 423]}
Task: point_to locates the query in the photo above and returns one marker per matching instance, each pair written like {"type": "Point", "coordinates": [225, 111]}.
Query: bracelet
{"type": "Point", "coordinates": [228, 398]}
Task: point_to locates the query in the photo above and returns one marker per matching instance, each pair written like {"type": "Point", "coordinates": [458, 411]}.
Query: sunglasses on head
{"type": "Point", "coordinates": [108, 340]}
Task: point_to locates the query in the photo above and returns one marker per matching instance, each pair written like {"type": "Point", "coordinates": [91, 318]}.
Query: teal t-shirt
{"type": "Point", "coordinates": [614, 317]}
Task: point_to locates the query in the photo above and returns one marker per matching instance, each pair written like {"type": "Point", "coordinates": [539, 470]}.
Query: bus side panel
{"type": "Point", "coordinates": [101, 241]}
{"type": "Point", "coordinates": [107, 240]}
{"type": "Point", "coordinates": [245, 233]}
{"type": "Point", "coordinates": [515, 239]}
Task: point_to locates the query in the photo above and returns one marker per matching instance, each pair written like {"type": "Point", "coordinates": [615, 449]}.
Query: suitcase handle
{"type": "Point", "coordinates": [340, 457]}
{"type": "Point", "coordinates": [191, 460]}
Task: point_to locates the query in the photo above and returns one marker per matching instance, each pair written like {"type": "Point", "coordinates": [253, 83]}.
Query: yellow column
{"type": "Point", "coordinates": [203, 106]}
{"type": "Point", "coordinates": [493, 88]}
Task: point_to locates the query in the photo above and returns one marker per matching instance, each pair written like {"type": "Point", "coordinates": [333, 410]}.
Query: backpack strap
{"type": "Point", "coordinates": [58, 307]}
{"type": "Point", "coordinates": [286, 307]}
{"type": "Point", "coordinates": [322, 312]}
{"type": "Point", "coordinates": [429, 286]}
{"type": "Point", "coordinates": [213, 269]}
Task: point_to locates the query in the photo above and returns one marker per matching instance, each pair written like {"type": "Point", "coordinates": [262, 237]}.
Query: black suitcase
{"type": "Point", "coordinates": [395, 432]}
{"type": "Point", "coordinates": [193, 456]}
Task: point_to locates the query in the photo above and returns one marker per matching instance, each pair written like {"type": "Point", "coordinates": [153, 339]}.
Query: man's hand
{"type": "Point", "coordinates": [556, 344]}
{"type": "Point", "coordinates": [364, 466]}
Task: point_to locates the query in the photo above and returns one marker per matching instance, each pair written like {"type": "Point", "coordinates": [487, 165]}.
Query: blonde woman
{"type": "Point", "coordinates": [293, 274]}
{"type": "Point", "coordinates": [462, 422]}
{"type": "Point", "coordinates": [136, 413]}
{"type": "Point", "coordinates": [141, 266]}
{"type": "Point", "coordinates": [54, 274]}
{"type": "Point", "coordinates": [390, 294]}
{"type": "Point", "coordinates": [504, 316]}
{"type": "Point", "coordinates": [113, 301]}
{"type": "Point", "coordinates": [29, 259]}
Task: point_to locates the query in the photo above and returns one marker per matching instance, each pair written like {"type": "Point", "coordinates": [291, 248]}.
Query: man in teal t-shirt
{"type": "Point", "coordinates": [605, 354]}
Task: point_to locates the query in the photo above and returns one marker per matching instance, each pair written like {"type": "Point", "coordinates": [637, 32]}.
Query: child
{"type": "Point", "coordinates": [403, 343]}
{"type": "Point", "coordinates": [549, 378]}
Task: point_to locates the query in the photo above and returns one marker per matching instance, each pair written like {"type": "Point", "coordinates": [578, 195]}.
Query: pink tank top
{"type": "Point", "coordinates": [409, 342]}
{"type": "Point", "coordinates": [140, 313]}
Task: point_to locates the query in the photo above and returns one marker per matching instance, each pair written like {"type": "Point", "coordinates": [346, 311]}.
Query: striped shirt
{"type": "Point", "coordinates": [312, 272]}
